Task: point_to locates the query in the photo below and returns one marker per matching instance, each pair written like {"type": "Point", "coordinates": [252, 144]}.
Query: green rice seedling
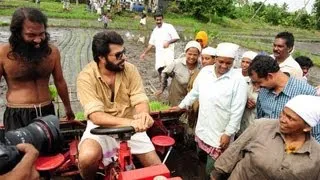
{"type": "Point", "coordinates": [79, 116]}
{"type": "Point", "coordinates": [158, 106]}
{"type": "Point", "coordinates": [53, 92]}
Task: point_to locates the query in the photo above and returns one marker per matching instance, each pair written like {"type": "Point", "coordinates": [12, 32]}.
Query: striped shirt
{"type": "Point", "coordinates": [270, 104]}
{"type": "Point", "coordinates": [316, 132]}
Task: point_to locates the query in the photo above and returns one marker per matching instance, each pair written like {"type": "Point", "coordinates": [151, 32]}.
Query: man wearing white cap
{"type": "Point", "coordinates": [208, 56]}
{"type": "Point", "coordinates": [270, 149]}
{"type": "Point", "coordinates": [250, 111]}
{"type": "Point", "coordinates": [246, 60]}
{"type": "Point", "coordinates": [181, 70]}
{"type": "Point", "coordinates": [222, 97]}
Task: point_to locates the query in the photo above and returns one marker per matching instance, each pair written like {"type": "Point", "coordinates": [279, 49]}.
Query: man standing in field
{"type": "Point", "coordinates": [162, 38]}
{"type": "Point", "coordinates": [282, 48]}
{"type": "Point", "coordinates": [26, 63]}
{"type": "Point", "coordinates": [222, 95]}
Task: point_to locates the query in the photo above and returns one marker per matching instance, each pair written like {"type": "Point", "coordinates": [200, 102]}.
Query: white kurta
{"type": "Point", "coordinates": [164, 56]}
{"type": "Point", "coordinates": [222, 102]}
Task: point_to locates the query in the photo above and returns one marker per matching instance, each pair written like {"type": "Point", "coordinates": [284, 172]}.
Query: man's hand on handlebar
{"type": "Point", "coordinates": [25, 169]}
{"type": "Point", "coordinates": [141, 122]}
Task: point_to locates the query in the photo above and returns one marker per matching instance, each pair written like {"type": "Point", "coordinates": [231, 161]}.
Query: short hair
{"type": "Point", "coordinates": [262, 65]}
{"type": "Point", "coordinates": [101, 42]}
{"type": "Point", "coordinates": [158, 14]}
{"type": "Point", "coordinates": [304, 61]}
{"type": "Point", "coordinates": [288, 37]}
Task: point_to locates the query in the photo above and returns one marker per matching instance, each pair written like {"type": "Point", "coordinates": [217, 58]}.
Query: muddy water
{"type": "Point", "coordinates": [75, 48]}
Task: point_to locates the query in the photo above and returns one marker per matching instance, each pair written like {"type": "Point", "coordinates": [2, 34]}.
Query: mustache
{"type": "Point", "coordinates": [30, 53]}
{"type": "Point", "coordinates": [122, 61]}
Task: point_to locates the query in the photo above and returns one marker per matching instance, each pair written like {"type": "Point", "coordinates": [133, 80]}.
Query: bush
{"type": "Point", "coordinates": [174, 8]}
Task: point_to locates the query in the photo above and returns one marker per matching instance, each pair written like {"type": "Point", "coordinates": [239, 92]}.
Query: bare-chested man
{"type": "Point", "coordinates": [26, 63]}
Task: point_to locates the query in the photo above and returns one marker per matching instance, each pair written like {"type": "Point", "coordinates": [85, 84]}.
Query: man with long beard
{"type": "Point", "coordinates": [111, 93]}
{"type": "Point", "coordinates": [26, 63]}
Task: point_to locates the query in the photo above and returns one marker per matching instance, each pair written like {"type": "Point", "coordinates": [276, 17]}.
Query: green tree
{"type": "Point", "coordinates": [316, 11]}
{"type": "Point", "coordinates": [304, 20]}
{"type": "Point", "coordinates": [206, 9]}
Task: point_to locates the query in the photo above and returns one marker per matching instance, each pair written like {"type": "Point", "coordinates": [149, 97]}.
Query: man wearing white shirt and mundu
{"type": "Point", "coordinates": [222, 95]}
{"type": "Point", "coordinates": [162, 38]}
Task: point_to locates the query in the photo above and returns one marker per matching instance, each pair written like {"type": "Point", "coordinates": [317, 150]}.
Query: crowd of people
{"type": "Point", "coordinates": [231, 100]}
{"type": "Point", "coordinates": [260, 121]}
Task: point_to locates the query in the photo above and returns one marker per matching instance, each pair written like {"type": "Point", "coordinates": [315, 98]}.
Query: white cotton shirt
{"type": "Point", "coordinates": [143, 21]}
{"type": "Point", "coordinates": [246, 78]}
{"type": "Point", "coordinates": [164, 56]}
{"type": "Point", "coordinates": [291, 66]}
{"type": "Point", "coordinates": [222, 101]}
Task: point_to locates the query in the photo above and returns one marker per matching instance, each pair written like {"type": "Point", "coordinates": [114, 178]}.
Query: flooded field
{"type": "Point", "coordinates": [75, 48]}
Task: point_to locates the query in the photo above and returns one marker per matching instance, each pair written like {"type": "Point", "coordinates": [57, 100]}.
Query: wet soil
{"type": "Point", "coordinates": [75, 48]}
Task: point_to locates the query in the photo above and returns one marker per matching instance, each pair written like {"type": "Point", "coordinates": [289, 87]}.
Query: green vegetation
{"type": "Point", "coordinates": [316, 9]}
{"type": "Point", "coordinates": [80, 116]}
{"type": "Point", "coordinates": [158, 106]}
{"type": "Point", "coordinates": [50, 8]}
{"type": "Point", "coordinates": [190, 16]}
{"type": "Point", "coordinates": [4, 24]}
{"type": "Point", "coordinates": [274, 14]}
{"type": "Point", "coordinates": [154, 107]}
{"type": "Point", "coordinates": [53, 91]}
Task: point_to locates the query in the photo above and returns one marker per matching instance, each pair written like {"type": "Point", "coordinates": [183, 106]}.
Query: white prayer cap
{"type": "Point", "coordinates": [249, 54]}
{"type": "Point", "coordinates": [307, 107]}
{"type": "Point", "coordinates": [194, 44]}
{"type": "Point", "coordinates": [227, 50]}
{"type": "Point", "coordinates": [209, 51]}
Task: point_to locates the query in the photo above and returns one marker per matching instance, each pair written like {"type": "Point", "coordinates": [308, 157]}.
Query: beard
{"type": "Point", "coordinates": [33, 52]}
{"type": "Point", "coordinates": [114, 67]}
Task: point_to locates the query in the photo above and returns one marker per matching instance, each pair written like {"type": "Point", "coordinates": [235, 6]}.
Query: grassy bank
{"type": "Point", "coordinates": [222, 29]}
{"type": "Point", "coordinates": [52, 9]}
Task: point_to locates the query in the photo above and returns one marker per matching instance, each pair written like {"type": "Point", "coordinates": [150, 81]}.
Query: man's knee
{"type": "Point", "coordinates": [90, 153]}
{"type": "Point", "coordinates": [149, 159]}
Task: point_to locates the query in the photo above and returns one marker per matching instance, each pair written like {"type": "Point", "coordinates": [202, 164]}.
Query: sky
{"type": "Point", "coordinates": [293, 4]}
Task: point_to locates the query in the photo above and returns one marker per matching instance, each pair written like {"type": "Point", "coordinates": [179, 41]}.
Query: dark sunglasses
{"type": "Point", "coordinates": [119, 55]}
